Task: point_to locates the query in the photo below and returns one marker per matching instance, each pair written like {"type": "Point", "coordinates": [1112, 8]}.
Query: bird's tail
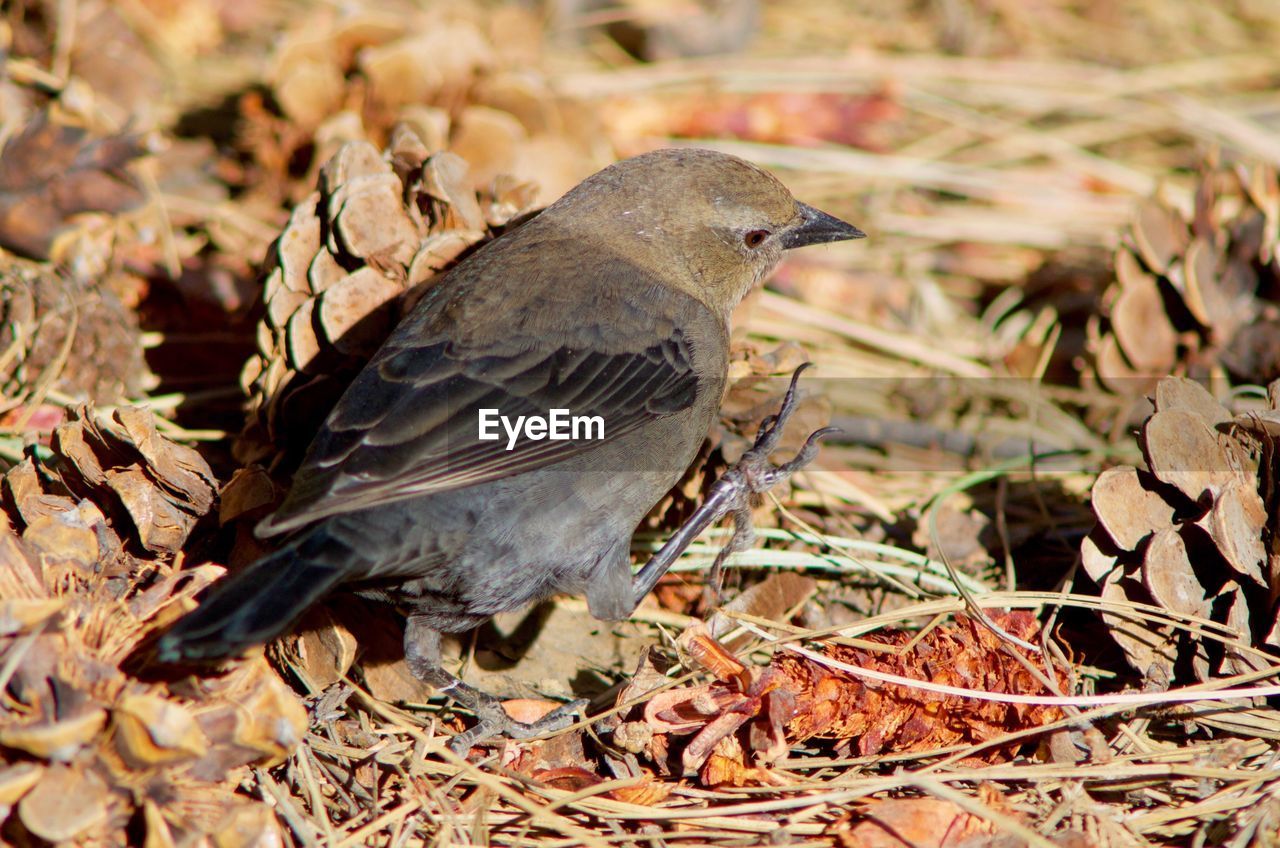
{"type": "Point", "coordinates": [254, 605]}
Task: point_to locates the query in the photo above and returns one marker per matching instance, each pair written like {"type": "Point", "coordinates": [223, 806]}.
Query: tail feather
{"type": "Point", "coordinates": [251, 607]}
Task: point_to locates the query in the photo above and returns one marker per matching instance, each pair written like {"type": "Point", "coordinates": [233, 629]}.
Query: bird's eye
{"type": "Point", "coordinates": [755, 238]}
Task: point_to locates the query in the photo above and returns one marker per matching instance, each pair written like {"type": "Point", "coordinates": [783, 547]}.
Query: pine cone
{"type": "Point", "coordinates": [71, 337]}
{"type": "Point", "coordinates": [350, 262]}
{"type": "Point", "coordinates": [117, 481]}
{"type": "Point", "coordinates": [87, 576]}
{"type": "Point", "coordinates": [469, 80]}
{"type": "Point", "coordinates": [1193, 298]}
{"type": "Point", "coordinates": [1192, 534]}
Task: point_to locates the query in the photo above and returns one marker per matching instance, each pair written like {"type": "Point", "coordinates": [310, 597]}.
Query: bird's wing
{"type": "Point", "coordinates": [409, 424]}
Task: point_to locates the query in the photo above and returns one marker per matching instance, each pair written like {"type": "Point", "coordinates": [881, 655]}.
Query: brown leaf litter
{"type": "Point", "coordinates": [51, 172]}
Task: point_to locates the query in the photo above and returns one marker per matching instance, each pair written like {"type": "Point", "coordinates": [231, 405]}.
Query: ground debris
{"type": "Point", "coordinates": [750, 717]}
{"type": "Point", "coordinates": [50, 172]}
{"type": "Point", "coordinates": [90, 570]}
{"type": "Point", "coordinates": [1191, 534]}
{"type": "Point", "coordinates": [1191, 296]}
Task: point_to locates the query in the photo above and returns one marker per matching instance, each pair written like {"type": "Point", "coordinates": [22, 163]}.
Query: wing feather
{"type": "Point", "coordinates": [408, 425]}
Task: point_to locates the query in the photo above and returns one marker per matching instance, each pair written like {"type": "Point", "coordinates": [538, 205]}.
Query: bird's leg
{"type": "Point", "coordinates": [422, 654]}
{"type": "Point", "coordinates": [752, 475]}
{"type": "Point", "coordinates": [744, 536]}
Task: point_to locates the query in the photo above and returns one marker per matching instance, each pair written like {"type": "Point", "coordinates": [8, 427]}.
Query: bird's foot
{"type": "Point", "coordinates": [754, 474]}
{"type": "Point", "coordinates": [422, 655]}
{"type": "Point", "coordinates": [495, 721]}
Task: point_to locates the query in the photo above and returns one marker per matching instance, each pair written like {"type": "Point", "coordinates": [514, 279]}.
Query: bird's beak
{"type": "Point", "coordinates": [817, 227]}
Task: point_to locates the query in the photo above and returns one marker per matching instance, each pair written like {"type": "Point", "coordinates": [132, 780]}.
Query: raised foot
{"type": "Point", "coordinates": [495, 721]}
{"type": "Point", "coordinates": [752, 475]}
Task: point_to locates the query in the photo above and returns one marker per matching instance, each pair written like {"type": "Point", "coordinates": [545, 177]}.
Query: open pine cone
{"type": "Point", "coordinates": [1193, 297]}
{"type": "Point", "coordinates": [89, 570]}
{"type": "Point", "coordinates": [116, 483]}
{"type": "Point", "coordinates": [1194, 533]}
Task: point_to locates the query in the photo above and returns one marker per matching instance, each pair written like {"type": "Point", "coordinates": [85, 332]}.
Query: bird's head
{"type": "Point", "coordinates": [719, 222]}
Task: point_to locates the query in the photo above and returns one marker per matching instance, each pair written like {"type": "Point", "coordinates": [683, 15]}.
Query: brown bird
{"type": "Point", "coordinates": [612, 303]}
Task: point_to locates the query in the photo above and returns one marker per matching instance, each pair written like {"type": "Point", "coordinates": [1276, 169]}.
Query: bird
{"type": "Point", "coordinates": [612, 303]}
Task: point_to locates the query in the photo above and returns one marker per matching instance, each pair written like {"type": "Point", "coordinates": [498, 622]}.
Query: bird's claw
{"type": "Point", "coordinates": [495, 721]}
{"type": "Point", "coordinates": [770, 432]}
